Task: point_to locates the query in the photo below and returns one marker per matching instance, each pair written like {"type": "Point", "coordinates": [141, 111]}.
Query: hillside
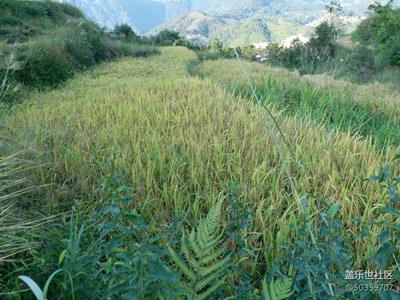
{"type": "Point", "coordinates": [196, 26]}
{"type": "Point", "coordinates": [43, 43]}
{"type": "Point", "coordinates": [146, 15]}
{"type": "Point", "coordinates": [245, 32]}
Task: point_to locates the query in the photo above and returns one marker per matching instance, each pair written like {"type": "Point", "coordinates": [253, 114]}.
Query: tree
{"type": "Point", "coordinates": [126, 32]}
{"type": "Point", "coordinates": [323, 41]}
{"type": "Point", "coordinates": [167, 37]}
{"type": "Point", "coordinates": [216, 45]}
{"type": "Point", "coordinates": [336, 12]}
{"type": "Point", "coordinates": [381, 32]}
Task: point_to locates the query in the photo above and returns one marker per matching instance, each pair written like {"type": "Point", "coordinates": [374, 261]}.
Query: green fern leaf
{"type": "Point", "coordinates": [203, 264]}
{"type": "Point", "coordinates": [211, 290]}
{"type": "Point", "coordinates": [189, 273]}
{"type": "Point", "coordinates": [277, 290]}
{"type": "Point", "coordinates": [217, 266]}
{"type": "Point", "coordinates": [194, 264]}
{"type": "Point", "coordinates": [193, 244]}
{"type": "Point", "coordinates": [214, 242]}
{"type": "Point", "coordinates": [207, 259]}
{"type": "Point", "coordinates": [208, 277]}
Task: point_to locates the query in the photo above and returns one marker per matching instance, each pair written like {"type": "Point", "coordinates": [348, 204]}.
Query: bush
{"type": "Point", "coordinates": [381, 32]}
{"type": "Point", "coordinates": [168, 37]}
{"type": "Point", "coordinates": [46, 63]}
{"type": "Point", "coordinates": [54, 41]}
{"type": "Point", "coordinates": [138, 50]}
{"type": "Point", "coordinates": [127, 33]}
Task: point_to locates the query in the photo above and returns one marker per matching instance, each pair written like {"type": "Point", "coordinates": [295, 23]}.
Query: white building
{"type": "Point", "coordinates": [286, 43]}
{"type": "Point", "coordinates": [260, 45]}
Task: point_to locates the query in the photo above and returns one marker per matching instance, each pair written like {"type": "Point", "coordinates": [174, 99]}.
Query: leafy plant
{"type": "Point", "coordinates": [204, 261]}
{"type": "Point", "coordinates": [127, 32]}
{"type": "Point", "coordinates": [277, 290]}
{"type": "Point", "coordinates": [319, 265]}
{"type": "Point", "coordinates": [238, 221]}
{"type": "Point", "coordinates": [387, 218]}
{"type": "Point", "coordinates": [37, 291]}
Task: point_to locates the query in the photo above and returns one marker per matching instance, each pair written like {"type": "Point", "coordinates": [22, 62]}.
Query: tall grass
{"type": "Point", "coordinates": [53, 41]}
{"type": "Point", "coordinates": [13, 187]}
{"type": "Point", "coordinates": [179, 141]}
{"type": "Point", "coordinates": [371, 111]}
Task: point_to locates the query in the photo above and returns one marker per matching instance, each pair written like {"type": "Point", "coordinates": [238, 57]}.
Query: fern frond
{"type": "Point", "coordinates": [277, 290]}
{"type": "Point", "coordinates": [216, 266]}
{"type": "Point", "coordinates": [211, 290]}
{"type": "Point", "coordinates": [203, 264]}
{"type": "Point", "coordinates": [207, 276]}
{"type": "Point", "coordinates": [194, 264]}
{"type": "Point", "coordinates": [208, 258]}
{"type": "Point", "coordinates": [189, 273]}
{"type": "Point", "coordinates": [193, 244]}
{"type": "Point", "coordinates": [215, 241]}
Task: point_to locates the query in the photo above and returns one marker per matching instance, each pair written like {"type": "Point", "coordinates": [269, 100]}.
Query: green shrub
{"type": "Point", "coordinates": [138, 50]}
{"type": "Point", "coordinates": [167, 37]}
{"type": "Point", "coordinates": [127, 33]}
{"type": "Point", "coordinates": [63, 9]}
{"type": "Point", "coordinates": [45, 63]}
{"type": "Point", "coordinates": [381, 32]}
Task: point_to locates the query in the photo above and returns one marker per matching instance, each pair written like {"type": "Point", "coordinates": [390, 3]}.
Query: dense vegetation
{"type": "Point", "coordinates": [43, 43]}
{"type": "Point", "coordinates": [375, 47]}
{"type": "Point", "coordinates": [156, 177]}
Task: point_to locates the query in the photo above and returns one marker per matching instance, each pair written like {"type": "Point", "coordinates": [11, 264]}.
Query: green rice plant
{"type": "Point", "coordinates": [338, 108]}
{"type": "Point", "coordinates": [205, 257]}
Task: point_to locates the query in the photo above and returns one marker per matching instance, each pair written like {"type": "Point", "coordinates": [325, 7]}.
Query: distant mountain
{"type": "Point", "coordinates": [228, 19]}
{"type": "Point", "coordinates": [142, 15]}
{"type": "Point", "coordinates": [196, 26]}
{"type": "Point", "coordinates": [245, 32]}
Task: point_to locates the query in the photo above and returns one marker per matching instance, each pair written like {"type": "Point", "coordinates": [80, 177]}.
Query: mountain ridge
{"type": "Point", "coordinates": [148, 16]}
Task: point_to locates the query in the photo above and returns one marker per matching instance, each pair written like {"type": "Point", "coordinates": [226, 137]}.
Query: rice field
{"type": "Point", "coordinates": [179, 141]}
{"type": "Point", "coordinates": [369, 111]}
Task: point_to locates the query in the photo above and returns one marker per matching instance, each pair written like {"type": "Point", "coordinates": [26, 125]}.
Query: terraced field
{"type": "Point", "coordinates": [180, 142]}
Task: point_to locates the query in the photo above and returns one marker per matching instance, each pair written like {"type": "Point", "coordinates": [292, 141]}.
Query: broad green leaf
{"type": "Point", "coordinates": [33, 286]}
{"type": "Point", "coordinates": [396, 275]}
{"type": "Point", "coordinates": [333, 210]}
{"type": "Point", "coordinates": [113, 244]}
{"type": "Point", "coordinates": [47, 284]}
{"type": "Point", "coordinates": [160, 272]}
{"type": "Point", "coordinates": [61, 257]}
{"type": "Point", "coordinates": [388, 295]}
{"type": "Point", "coordinates": [384, 236]}
{"type": "Point", "coordinates": [390, 210]}
{"type": "Point", "coordinates": [394, 198]}
{"type": "Point", "coordinates": [383, 255]}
